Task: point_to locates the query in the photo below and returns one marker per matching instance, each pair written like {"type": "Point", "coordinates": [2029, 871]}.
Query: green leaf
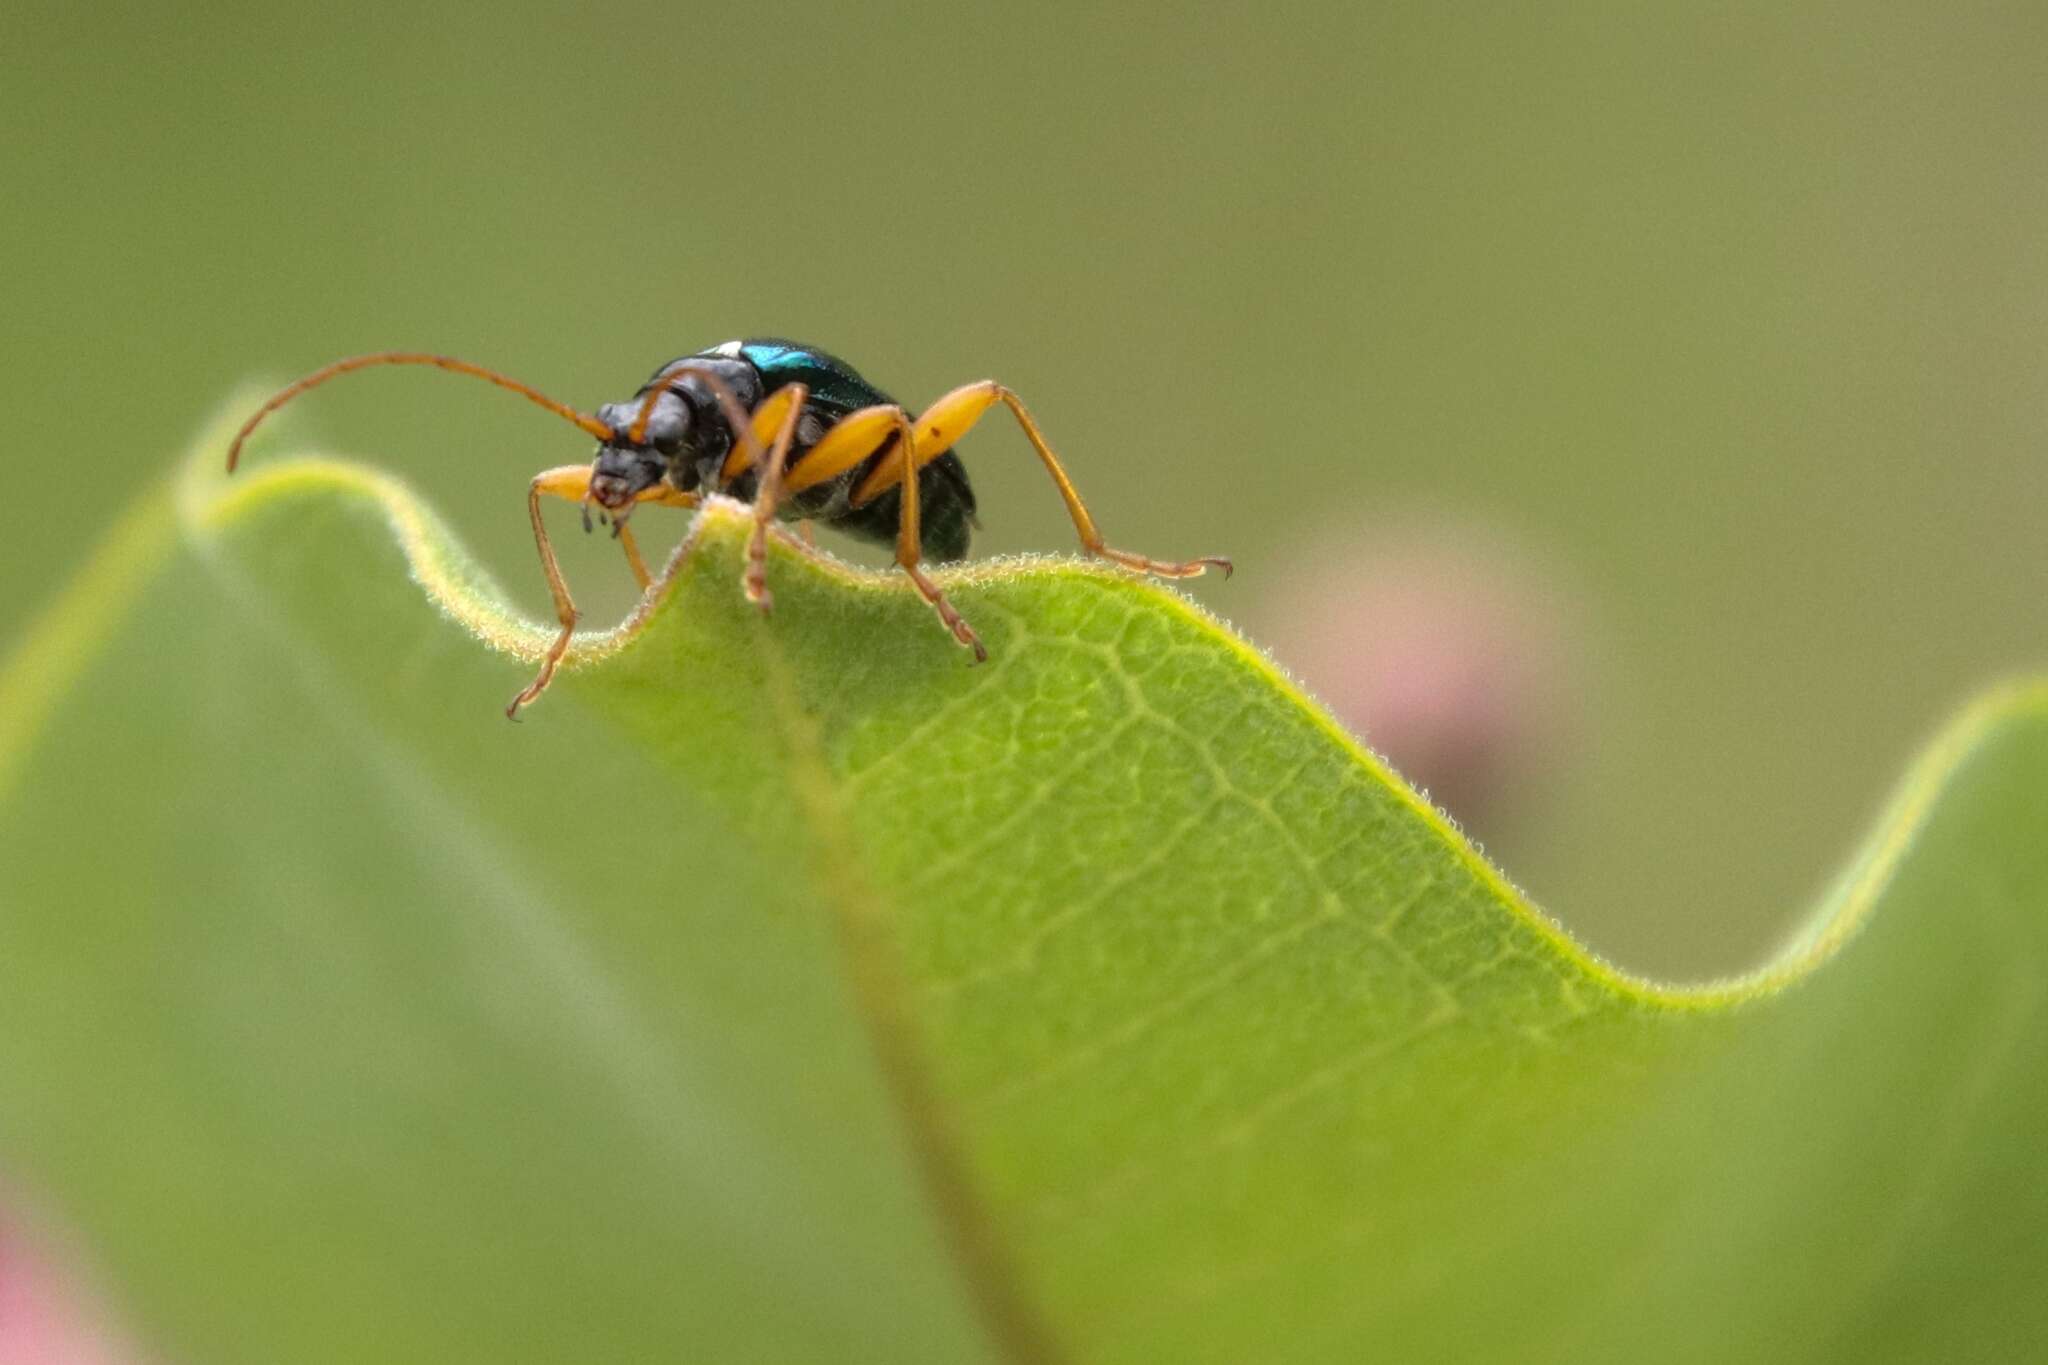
{"type": "Point", "coordinates": [787, 989]}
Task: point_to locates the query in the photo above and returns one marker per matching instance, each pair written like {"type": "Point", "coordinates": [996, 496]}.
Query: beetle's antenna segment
{"type": "Point", "coordinates": [439, 362]}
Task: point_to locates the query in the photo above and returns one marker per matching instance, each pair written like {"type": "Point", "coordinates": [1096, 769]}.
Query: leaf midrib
{"type": "Point", "coordinates": [861, 915]}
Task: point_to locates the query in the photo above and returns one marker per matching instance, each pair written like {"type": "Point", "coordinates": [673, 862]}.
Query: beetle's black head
{"type": "Point", "coordinates": [623, 468]}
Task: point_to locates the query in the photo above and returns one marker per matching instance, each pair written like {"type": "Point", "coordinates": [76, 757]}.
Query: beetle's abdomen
{"type": "Point", "coordinates": [945, 510]}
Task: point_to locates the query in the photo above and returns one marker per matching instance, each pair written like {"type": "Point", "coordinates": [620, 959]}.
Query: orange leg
{"type": "Point", "coordinates": [856, 437]}
{"type": "Point", "coordinates": [947, 420]}
{"type": "Point", "coordinates": [768, 492]}
{"type": "Point", "coordinates": [633, 559]}
{"type": "Point", "coordinates": [910, 547]}
{"type": "Point", "coordinates": [572, 483]}
{"type": "Point", "coordinates": [852, 439]}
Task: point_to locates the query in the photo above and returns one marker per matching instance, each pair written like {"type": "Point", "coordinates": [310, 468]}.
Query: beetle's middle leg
{"type": "Point", "coordinates": [856, 437]}
{"type": "Point", "coordinates": [572, 483]}
{"type": "Point", "coordinates": [773, 428]}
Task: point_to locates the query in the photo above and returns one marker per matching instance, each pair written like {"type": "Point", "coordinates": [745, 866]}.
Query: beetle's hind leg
{"type": "Point", "coordinates": [946, 421]}
{"type": "Point", "coordinates": [572, 483]}
{"type": "Point", "coordinates": [948, 615]}
{"type": "Point", "coordinates": [910, 542]}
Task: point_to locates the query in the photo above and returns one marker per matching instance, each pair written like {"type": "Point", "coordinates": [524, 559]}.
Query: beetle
{"type": "Point", "coordinates": [790, 428]}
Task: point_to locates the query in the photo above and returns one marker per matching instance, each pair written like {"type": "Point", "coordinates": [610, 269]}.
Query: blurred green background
{"type": "Point", "coordinates": [1732, 320]}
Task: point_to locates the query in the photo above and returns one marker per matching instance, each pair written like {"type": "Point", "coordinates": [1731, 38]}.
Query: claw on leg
{"type": "Point", "coordinates": [769, 492]}
{"type": "Point", "coordinates": [1192, 568]}
{"type": "Point", "coordinates": [547, 669]}
{"type": "Point", "coordinates": [755, 581]}
{"type": "Point", "coordinates": [950, 617]}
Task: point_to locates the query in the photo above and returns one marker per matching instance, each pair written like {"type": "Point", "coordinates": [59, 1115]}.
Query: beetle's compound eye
{"type": "Point", "coordinates": [668, 425]}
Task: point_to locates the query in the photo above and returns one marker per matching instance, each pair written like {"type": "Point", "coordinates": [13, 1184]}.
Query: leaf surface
{"type": "Point", "coordinates": [787, 989]}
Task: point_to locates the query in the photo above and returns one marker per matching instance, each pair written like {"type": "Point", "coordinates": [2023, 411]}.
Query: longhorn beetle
{"type": "Point", "coordinates": [786, 426]}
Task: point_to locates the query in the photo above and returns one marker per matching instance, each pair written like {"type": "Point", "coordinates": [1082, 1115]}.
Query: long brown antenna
{"type": "Point", "coordinates": [440, 362]}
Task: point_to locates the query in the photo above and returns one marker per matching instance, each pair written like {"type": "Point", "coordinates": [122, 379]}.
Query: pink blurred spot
{"type": "Point", "coordinates": [1446, 648]}
{"type": "Point", "coordinates": [45, 1319]}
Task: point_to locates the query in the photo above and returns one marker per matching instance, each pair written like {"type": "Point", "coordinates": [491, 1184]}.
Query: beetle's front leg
{"type": "Point", "coordinates": [572, 484]}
